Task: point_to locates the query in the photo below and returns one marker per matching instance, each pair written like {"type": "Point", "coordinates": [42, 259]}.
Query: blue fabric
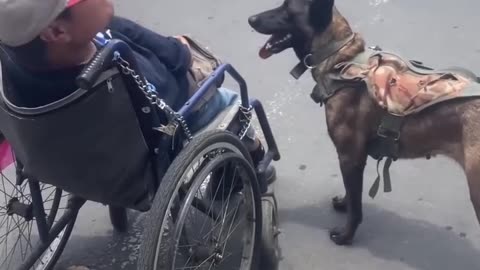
{"type": "Point", "coordinates": [207, 113]}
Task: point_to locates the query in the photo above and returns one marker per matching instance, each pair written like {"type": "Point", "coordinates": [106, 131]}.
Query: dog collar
{"type": "Point", "coordinates": [320, 56]}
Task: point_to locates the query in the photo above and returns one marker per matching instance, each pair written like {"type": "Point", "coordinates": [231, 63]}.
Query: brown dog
{"type": "Point", "coordinates": [322, 38]}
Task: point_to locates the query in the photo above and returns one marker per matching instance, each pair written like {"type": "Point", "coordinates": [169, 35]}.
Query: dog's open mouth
{"type": "Point", "coordinates": [276, 44]}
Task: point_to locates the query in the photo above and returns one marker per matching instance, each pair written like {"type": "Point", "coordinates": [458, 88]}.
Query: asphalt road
{"type": "Point", "coordinates": [427, 223]}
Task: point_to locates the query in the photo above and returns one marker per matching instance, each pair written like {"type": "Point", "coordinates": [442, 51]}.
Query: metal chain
{"type": "Point", "coordinates": [245, 119]}
{"type": "Point", "coordinates": [144, 86]}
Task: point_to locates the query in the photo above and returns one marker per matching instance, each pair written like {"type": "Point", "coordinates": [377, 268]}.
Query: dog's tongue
{"type": "Point", "coordinates": [264, 53]}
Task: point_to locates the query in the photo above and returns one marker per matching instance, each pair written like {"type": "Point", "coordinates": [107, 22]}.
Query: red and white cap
{"type": "Point", "coordinates": [21, 21]}
{"type": "Point", "coordinates": [73, 2]}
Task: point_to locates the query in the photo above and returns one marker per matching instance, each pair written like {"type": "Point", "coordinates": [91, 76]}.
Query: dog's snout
{"type": "Point", "coordinates": [253, 21]}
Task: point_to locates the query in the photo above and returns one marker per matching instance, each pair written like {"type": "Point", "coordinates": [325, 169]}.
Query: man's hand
{"type": "Point", "coordinates": [183, 40]}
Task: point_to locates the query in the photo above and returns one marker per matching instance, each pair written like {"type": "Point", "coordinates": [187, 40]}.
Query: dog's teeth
{"type": "Point", "coordinates": [268, 46]}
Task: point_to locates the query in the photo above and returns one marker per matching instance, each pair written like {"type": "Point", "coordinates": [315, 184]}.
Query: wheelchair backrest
{"type": "Point", "coordinates": [89, 143]}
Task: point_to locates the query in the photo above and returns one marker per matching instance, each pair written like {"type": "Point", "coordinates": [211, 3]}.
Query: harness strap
{"type": "Point", "coordinates": [315, 58]}
{"type": "Point", "coordinates": [387, 182]}
{"type": "Point", "coordinates": [386, 145]}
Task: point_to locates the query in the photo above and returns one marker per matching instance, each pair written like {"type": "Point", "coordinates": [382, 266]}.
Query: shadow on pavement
{"type": "Point", "coordinates": [112, 251]}
{"type": "Point", "coordinates": [419, 244]}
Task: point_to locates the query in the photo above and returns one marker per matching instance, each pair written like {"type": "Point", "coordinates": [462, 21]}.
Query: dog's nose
{"type": "Point", "coordinates": [253, 20]}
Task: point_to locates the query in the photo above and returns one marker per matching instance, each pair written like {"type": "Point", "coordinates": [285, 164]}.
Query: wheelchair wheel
{"type": "Point", "coordinates": [118, 218]}
{"type": "Point", "coordinates": [200, 218]}
{"type": "Point", "coordinates": [269, 247]}
{"type": "Point", "coordinates": [18, 234]}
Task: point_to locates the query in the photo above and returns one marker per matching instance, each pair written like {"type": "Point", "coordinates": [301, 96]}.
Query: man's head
{"type": "Point", "coordinates": [33, 28]}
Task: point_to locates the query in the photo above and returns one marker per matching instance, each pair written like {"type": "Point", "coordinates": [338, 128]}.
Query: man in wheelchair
{"type": "Point", "coordinates": [51, 41]}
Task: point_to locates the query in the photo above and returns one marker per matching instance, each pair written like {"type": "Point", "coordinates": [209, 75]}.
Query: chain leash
{"type": "Point", "coordinates": [245, 119]}
{"type": "Point", "coordinates": [144, 86]}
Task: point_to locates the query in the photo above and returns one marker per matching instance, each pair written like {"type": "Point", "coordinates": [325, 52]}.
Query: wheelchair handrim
{"type": "Point", "coordinates": [248, 237]}
{"type": "Point", "coordinates": [197, 161]}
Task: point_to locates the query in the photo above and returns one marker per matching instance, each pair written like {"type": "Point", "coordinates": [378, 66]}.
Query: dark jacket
{"type": "Point", "coordinates": [163, 60]}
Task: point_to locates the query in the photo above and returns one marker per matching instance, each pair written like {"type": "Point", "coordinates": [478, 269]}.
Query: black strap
{"type": "Point", "coordinates": [376, 184]}
{"type": "Point", "coordinates": [387, 183]}
{"type": "Point", "coordinates": [298, 70]}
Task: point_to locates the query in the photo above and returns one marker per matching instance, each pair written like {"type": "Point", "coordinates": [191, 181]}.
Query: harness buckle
{"type": "Point", "coordinates": [388, 134]}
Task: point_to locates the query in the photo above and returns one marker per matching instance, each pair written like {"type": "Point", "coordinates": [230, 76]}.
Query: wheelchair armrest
{"type": "Point", "coordinates": [103, 60]}
{"type": "Point", "coordinates": [216, 76]}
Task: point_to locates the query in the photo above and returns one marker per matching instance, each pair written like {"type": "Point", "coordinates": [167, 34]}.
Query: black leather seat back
{"type": "Point", "coordinates": [90, 143]}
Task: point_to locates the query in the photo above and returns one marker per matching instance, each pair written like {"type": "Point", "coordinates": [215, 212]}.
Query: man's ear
{"type": "Point", "coordinates": [55, 33]}
{"type": "Point", "coordinates": [320, 14]}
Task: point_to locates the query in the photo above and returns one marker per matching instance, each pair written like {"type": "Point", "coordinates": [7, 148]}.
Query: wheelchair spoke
{"type": "Point", "coordinates": [26, 239]}
{"type": "Point", "coordinates": [15, 187]}
{"type": "Point", "coordinates": [214, 227]}
{"type": "Point", "coordinates": [212, 200]}
{"type": "Point", "coordinates": [211, 265]}
{"type": "Point", "coordinates": [5, 236]}
{"type": "Point", "coordinates": [230, 232]}
{"type": "Point", "coordinates": [223, 196]}
{"type": "Point", "coordinates": [5, 195]}
{"type": "Point", "coordinates": [11, 252]}
{"type": "Point", "coordinates": [228, 200]}
{"type": "Point", "coordinates": [202, 263]}
{"type": "Point", "coordinates": [3, 192]}
{"type": "Point", "coordinates": [50, 195]}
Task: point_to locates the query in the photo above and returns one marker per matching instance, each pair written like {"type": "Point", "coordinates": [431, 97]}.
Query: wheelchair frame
{"type": "Point", "coordinates": [103, 59]}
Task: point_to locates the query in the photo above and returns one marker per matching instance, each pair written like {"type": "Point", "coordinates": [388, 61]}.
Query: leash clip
{"type": "Point", "coordinates": [307, 60]}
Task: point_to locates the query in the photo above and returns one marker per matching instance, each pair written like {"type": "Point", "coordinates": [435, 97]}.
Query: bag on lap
{"type": "Point", "coordinates": [204, 62]}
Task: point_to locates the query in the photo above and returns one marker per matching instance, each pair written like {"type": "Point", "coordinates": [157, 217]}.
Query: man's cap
{"type": "Point", "coordinates": [21, 21]}
{"type": "Point", "coordinates": [73, 2]}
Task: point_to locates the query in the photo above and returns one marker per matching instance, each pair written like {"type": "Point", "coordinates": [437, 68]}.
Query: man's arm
{"type": "Point", "coordinates": [173, 53]}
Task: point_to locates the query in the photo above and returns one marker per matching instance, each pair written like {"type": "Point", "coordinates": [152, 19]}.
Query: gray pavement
{"type": "Point", "coordinates": [427, 223]}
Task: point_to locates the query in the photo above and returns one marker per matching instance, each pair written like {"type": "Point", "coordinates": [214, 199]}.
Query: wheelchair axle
{"type": "Point", "coordinates": [14, 206]}
{"type": "Point", "coordinates": [203, 253]}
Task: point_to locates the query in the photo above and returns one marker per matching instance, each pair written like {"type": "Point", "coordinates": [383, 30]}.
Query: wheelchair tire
{"type": "Point", "coordinates": [269, 247]}
{"type": "Point", "coordinates": [118, 218]}
{"type": "Point", "coordinates": [61, 246]}
{"type": "Point", "coordinates": [155, 255]}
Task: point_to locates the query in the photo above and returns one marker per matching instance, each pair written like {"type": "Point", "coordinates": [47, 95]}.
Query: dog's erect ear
{"type": "Point", "coordinates": [320, 14]}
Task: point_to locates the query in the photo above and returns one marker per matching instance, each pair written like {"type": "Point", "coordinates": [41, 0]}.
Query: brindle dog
{"type": "Point", "coordinates": [353, 116]}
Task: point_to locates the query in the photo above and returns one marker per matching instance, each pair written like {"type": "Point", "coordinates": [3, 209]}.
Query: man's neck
{"type": "Point", "coordinates": [60, 58]}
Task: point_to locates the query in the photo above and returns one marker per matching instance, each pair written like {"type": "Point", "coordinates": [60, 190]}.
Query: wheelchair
{"type": "Point", "coordinates": [113, 141]}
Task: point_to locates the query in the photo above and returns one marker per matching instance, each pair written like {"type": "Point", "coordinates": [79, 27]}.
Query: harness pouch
{"type": "Point", "coordinates": [89, 143]}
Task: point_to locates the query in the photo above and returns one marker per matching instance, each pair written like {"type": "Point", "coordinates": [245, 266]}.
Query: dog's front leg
{"type": "Point", "coordinates": [348, 127]}
{"type": "Point", "coordinates": [352, 166]}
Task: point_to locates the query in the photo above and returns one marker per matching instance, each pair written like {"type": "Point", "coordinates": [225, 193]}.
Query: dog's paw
{"type": "Point", "coordinates": [341, 237]}
{"type": "Point", "coordinates": [339, 204]}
